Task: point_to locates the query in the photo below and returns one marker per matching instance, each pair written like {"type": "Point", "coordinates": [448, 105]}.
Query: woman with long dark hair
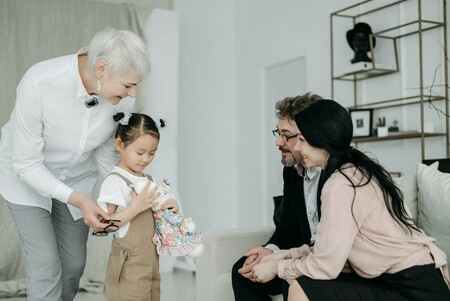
{"type": "Point", "coordinates": [367, 246]}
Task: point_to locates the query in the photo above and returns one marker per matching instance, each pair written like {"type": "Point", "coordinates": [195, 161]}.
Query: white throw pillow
{"type": "Point", "coordinates": [408, 186]}
{"type": "Point", "coordinates": [434, 204]}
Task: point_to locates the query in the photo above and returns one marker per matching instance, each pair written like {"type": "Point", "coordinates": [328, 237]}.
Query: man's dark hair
{"type": "Point", "coordinates": [291, 106]}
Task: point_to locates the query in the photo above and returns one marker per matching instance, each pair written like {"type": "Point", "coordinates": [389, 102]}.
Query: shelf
{"type": "Point", "coordinates": [402, 30]}
{"type": "Point", "coordinates": [364, 70]}
{"type": "Point", "coordinates": [415, 21]}
{"type": "Point", "coordinates": [407, 29]}
{"type": "Point", "coordinates": [398, 102]}
{"type": "Point", "coordinates": [397, 136]}
{"type": "Point", "coordinates": [354, 11]}
{"type": "Point", "coordinates": [395, 32]}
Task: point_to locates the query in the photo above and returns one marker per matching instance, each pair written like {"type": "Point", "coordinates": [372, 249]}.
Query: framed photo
{"type": "Point", "coordinates": [362, 122]}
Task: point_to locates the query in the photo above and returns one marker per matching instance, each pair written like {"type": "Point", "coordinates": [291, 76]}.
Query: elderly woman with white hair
{"type": "Point", "coordinates": [59, 136]}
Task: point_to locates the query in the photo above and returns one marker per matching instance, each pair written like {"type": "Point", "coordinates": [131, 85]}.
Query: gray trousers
{"type": "Point", "coordinates": [54, 247]}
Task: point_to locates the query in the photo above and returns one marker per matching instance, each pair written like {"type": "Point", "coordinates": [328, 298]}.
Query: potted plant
{"type": "Point", "coordinates": [382, 130]}
{"type": "Point", "coordinates": [394, 126]}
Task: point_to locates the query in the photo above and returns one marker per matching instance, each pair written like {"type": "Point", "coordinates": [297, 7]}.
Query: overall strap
{"type": "Point", "coordinates": [129, 184]}
{"type": "Point", "coordinates": [127, 181]}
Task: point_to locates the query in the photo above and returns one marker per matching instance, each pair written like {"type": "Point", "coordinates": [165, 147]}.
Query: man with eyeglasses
{"type": "Point", "coordinates": [297, 216]}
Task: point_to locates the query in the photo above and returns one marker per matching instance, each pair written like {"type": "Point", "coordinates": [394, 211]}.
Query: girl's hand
{"type": "Point", "coordinates": [144, 200]}
{"type": "Point", "coordinates": [172, 205]}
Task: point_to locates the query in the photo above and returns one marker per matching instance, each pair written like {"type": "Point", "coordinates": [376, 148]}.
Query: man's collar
{"type": "Point", "coordinates": [307, 174]}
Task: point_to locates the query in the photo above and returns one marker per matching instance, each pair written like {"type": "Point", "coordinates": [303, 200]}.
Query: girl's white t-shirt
{"type": "Point", "coordinates": [115, 191]}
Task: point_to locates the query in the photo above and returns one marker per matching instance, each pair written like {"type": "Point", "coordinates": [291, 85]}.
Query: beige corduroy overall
{"type": "Point", "coordinates": [133, 264]}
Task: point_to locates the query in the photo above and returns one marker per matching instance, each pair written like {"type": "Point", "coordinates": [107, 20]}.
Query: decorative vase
{"type": "Point", "coordinates": [382, 131]}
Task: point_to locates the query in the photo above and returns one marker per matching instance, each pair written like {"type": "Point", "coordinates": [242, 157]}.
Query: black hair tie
{"type": "Point", "coordinates": [118, 116]}
{"type": "Point", "coordinates": [162, 123]}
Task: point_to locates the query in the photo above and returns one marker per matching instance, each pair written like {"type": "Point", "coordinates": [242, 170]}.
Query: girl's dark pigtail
{"type": "Point", "coordinates": [118, 116]}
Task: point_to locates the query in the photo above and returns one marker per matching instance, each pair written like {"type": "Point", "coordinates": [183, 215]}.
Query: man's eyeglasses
{"type": "Point", "coordinates": [286, 138]}
{"type": "Point", "coordinates": [110, 228]}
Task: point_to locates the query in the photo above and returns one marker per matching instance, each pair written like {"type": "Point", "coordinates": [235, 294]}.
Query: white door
{"type": "Point", "coordinates": [281, 80]}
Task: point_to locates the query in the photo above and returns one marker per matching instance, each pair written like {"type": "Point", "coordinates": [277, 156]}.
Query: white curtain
{"type": "Point", "coordinates": [35, 30]}
{"type": "Point", "coordinates": [32, 31]}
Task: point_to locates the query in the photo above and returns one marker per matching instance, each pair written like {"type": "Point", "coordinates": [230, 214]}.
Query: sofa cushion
{"type": "Point", "coordinates": [408, 186]}
{"type": "Point", "coordinates": [434, 204]}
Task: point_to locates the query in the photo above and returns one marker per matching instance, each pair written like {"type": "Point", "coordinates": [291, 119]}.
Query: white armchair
{"type": "Point", "coordinates": [222, 249]}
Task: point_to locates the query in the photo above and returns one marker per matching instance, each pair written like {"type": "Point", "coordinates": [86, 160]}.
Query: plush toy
{"type": "Point", "coordinates": [174, 234]}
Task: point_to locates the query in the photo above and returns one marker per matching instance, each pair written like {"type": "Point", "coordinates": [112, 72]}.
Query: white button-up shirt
{"type": "Point", "coordinates": [53, 144]}
{"type": "Point", "coordinates": [311, 179]}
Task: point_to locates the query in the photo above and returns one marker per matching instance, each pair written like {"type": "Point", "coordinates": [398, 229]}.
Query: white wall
{"type": "Point", "coordinates": [225, 46]}
{"type": "Point", "coordinates": [158, 93]}
{"type": "Point", "coordinates": [207, 153]}
{"type": "Point", "coordinates": [266, 35]}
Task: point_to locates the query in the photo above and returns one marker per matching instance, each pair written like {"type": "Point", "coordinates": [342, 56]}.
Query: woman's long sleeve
{"type": "Point", "coordinates": [336, 233]}
{"type": "Point", "coordinates": [28, 144]}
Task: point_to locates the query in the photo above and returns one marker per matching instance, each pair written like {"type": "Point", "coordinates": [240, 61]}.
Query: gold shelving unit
{"type": "Point", "coordinates": [393, 33]}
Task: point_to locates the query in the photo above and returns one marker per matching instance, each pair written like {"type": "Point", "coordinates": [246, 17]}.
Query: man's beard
{"type": "Point", "coordinates": [288, 161]}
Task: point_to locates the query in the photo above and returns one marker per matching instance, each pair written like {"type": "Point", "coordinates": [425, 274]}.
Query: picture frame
{"type": "Point", "coordinates": [362, 122]}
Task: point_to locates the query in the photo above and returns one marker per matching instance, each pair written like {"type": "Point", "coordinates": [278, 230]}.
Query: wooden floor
{"type": "Point", "coordinates": [175, 286]}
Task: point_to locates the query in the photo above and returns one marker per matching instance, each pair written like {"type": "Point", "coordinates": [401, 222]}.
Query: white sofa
{"type": "Point", "coordinates": [426, 193]}
{"type": "Point", "coordinates": [222, 249]}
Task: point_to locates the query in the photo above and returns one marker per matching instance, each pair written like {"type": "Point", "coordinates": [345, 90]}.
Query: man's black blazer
{"type": "Point", "coordinates": [293, 228]}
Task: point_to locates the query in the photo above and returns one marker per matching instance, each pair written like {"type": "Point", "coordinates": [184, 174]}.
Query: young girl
{"type": "Point", "coordinates": [133, 265]}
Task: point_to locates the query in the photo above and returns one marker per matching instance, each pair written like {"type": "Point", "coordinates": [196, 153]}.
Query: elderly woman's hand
{"type": "Point", "coordinates": [265, 271]}
{"type": "Point", "coordinates": [92, 213]}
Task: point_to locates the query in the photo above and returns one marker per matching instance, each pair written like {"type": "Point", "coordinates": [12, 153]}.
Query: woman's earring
{"type": "Point", "coordinates": [99, 86]}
